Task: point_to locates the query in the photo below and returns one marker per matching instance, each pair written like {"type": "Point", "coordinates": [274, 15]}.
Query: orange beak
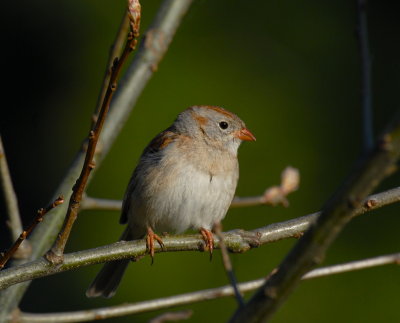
{"type": "Point", "coordinates": [245, 135]}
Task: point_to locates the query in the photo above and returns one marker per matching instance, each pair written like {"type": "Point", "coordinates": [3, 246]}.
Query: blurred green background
{"type": "Point", "coordinates": [290, 69]}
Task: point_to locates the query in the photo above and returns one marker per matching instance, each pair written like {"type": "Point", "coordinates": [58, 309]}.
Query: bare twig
{"type": "Point", "coordinates": [172, 316]}
{"type": "Point", "coordinates": [198, 296]}
{"type": "Point", "coordinates": [275, 195]}
{"type": "Point", "coordinates": [272, 196]}
{"type": "Point", "coordinates": [92, 203]}
{"type": "Point", "coordinates": [310, 249]}
{"type": "Point", "coordinates": [226, 261]}
{"type": "Point", "coordinates": [366, 78]}
{"type": "Point", "coordinates": [115, 52]}
{"type": "Point", "coordinates": [10, 198]}
{"type": "Point", "coordinates": [25, 233]}
{"type": "Point", "coordinates": [150, 53]}
{"type": "Point", "coordinates": [236, 241]}
{"type": "Point", "coordinates": [55, 254]}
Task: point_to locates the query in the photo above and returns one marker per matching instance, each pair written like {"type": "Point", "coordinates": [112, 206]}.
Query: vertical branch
{"type": "Point", "coordinates": [226, 261]}
{"type": "Point", "coordinates": [10, 198]}
{"type": "Point", "coordinates": [55, 254]}
{"type": "Point", "coordinates": [366, 80]}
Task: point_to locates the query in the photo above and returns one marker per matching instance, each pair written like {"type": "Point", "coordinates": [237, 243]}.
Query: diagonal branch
{"type": "Point", "coordinates": [236, 241]}
{"type": "Point", "coordinates": [10, 198]}
{"type": "Point", "coordinates": [25, 233]}
{"type": "Point", "coordinates": [150, 54]}
{"type": "Point", "coordinates": [115, 51]}
{"type": "Point", "coordinates": [198, 296]}
{"type": "Point", "coordinates": [55, 254]}
{"type": "Point", "coordinates": [311, 248]}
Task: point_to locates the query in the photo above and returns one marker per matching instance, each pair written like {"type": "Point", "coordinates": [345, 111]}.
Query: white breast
{"type": "Point", "coordinates": [194, 200]}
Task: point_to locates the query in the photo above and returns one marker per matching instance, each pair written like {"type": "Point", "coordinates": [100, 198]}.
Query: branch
{"type": "Point", "coordinates": [10, 198]}
{"type": "Point", "coordinates": [311, 248]}
{"type": "Point", "coordinates": [139, 73]}
{"type": "Point", "coordinates": [237, 241]}
{"type": "Point", "coordinates": [290, 179]}
{"type": "Point", "coordinates": [115, 51]}
{"type": "Point", "coordinates": [55, 254]}
{"type": "Point", "coordinates": [92, 203]}
{"type": "Point", "coordinates": [25, 233]}
{"type": "Point", "coordinates": [198, 296]}
{"type": "Point", "coordinates": [366, 78]}
{"type": "Point", "coordinates": [172, 316]}
{"type": "Point", "coordinates": [226, 261]}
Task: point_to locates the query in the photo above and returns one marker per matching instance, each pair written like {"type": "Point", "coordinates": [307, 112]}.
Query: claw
{"type": "Point", "coordinates": [208, 239]}
{"type": "Point", "coordinates": [151, 236]}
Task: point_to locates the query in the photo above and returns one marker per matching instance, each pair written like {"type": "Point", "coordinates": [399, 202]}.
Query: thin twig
{"type": "Point", "coordinates": [338, 211]}
{"type": "Point", "coordinates": [92, 203]}
{"type": "Point", "coordinates": [55, 254]}
{"type": "Point", "coordinates": [236, 241]}
{"type": "Point", "coordinates": [25, 233]}
{"type": "Point", "coordinates": [172, 316]}
{"type": "Point", "coordinates": [198, 296]}
{"type": "Point", "coordinates": [226, 261]}
{"type": "Point", "coordinates": [149, 55]}
{"type": "Point", "coordinates": [10, 198]}
{"type": "Point", "coordinates": [366, 78]}
{"type": "Point", "coordinates": [272, 196]}
{"type": "Point", "coordinates": [115, 51]}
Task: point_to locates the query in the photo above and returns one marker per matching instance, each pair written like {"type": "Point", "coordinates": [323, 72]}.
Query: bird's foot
{"type": "Point", "coordinates": [151, 236]}
{"type": "Point", "coordinates": [208, 239]}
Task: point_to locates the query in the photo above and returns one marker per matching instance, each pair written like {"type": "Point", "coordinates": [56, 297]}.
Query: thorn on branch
{"type": "Point", "coordinates": [113, 87]}
{"type": "Point", "coordinates": [371, 203]}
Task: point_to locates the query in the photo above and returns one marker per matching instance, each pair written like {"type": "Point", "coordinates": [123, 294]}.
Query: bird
{"type": "Point", "coordinates": [185, 179]}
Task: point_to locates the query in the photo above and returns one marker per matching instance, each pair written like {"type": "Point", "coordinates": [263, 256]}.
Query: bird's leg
{"type": "Point", "coordinates": [208, 239]}
{"type": "Point", "coordinates": [151, 236]}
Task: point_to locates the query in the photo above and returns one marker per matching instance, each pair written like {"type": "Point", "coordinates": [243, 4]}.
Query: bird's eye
{"type": "Point", "coordinates": [223, 125]}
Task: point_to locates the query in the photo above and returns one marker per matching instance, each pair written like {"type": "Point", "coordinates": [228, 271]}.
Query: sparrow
{"type": "Point", "coordinates": [185, 179]}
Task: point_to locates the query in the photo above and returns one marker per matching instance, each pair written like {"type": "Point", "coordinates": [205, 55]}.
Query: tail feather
{"type": "Point", "coordinates": [107, 280]}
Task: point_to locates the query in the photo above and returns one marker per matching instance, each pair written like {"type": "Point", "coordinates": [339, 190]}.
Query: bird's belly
{"type": "Point", "coordinates": [192, 200]}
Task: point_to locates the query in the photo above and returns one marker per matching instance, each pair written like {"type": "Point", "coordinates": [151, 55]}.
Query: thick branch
{"type": "Point", "coordinates": [199, 296]}
{"type": "Point", "coordinates": [236, 241]}
{"type": "Point", "coordinates": [149, 55]}
{"type": "Point", "coordinates": [311, 248]}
